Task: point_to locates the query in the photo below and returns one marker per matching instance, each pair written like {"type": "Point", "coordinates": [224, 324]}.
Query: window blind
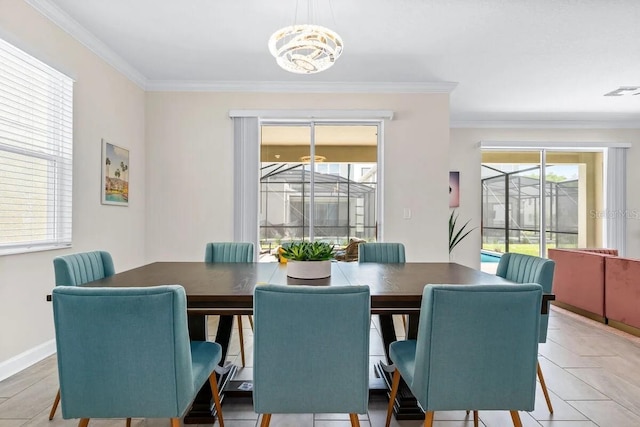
{"type": "Point", "coordinates": [36, 142]}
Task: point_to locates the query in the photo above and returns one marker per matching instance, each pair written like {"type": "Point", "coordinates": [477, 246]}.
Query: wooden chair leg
{"type": "Point", "coordinates": [241, 335]}
{"type": "Point", "coordinates": [392, 396]}
{"type": "Point", "coordinates": [404, 323]}
{"type": "Point", "coordinates": [55, 405]}
{"type": "Point", "coordinates": [516, 419]}
{"type": "Point", "coordinates": [128, 422]}
{"type": "Point", "coordinates": [251, 321]}
{"type": "Point", "coordinates": [266, 419]}
{"type": "Point", "coordinates": [475, 418]}
{"type": "Point", "coordinates": [175, 422]}
{"type": "Point", "coordinates": [354, 420]}
{"type": "Point", "coordinates": [216, 397]}
{"type": "Point", "coordinates": [428, 419]}
{"type": "Point", "coordinates": [544, 389]}
{"type": "Point", "coordinates": [84, 422]}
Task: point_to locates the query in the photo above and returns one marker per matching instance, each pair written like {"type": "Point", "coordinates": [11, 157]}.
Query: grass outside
{"type": "Point", "coordinates": [519, 248]}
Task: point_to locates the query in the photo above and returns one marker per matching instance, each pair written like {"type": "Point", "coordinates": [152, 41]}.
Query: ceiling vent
{"type": "Point", "coordinates": [624, 90]}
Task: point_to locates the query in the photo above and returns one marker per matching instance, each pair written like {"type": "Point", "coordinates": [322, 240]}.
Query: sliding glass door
{"type": "Point", "coordinates": [318, 181]}
{"type": "Point", "coordinates": [533, 200]}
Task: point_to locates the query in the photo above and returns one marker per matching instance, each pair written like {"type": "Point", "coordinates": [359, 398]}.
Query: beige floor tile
{"type": "Point", "coordinates": [555, 423]}
{"type": "Point", "coordinates": [615, 387]}
{"type": "Point", "coordinates": [564, 357]}
{"type": "Point", "coordinates": [562, 411]}
{"type": "Point", "coordinates": [24, 379]}
{"type": "Point", "coordinates": [13, 422]}
{"type": "Point", "coordinates": [607, 413]}
{"type": "Point", "coordinates": [566, 385]}
{"type": "Point", "coordinates": [503, 419]}
{"type": "Point", "coordinates": [291, 420]}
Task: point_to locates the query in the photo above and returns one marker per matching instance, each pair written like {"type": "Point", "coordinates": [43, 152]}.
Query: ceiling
{"type": "Point", "coordinates": [502, 60]}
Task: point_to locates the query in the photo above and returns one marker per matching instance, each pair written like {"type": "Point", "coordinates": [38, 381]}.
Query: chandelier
{"type": "Point", "coordinates": [305, 49]}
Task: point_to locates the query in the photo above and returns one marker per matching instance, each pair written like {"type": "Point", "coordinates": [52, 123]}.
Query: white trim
{"type": "Point", "coordinates": [544, 124]}
{"type": "Point", "coordinates": [28, 358]}
{"type": "Point", "coordinates": [300, 87]}
{"type": "Point", "coordinates": [556, 145]}
{"type": "Point", "coordinates": [357, 115]}
{"type": "Point", "coordinates": [78, 32]}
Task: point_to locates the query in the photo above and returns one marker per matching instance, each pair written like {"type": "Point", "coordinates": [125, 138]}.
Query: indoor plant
{"type": "Point", "coordinates": [457, 234]}
{"type": "Point", "coordinates": [308, 260]}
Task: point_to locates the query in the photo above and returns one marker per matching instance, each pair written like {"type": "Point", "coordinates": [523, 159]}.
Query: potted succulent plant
{"type": "Point", "coordinates": [308, 260]}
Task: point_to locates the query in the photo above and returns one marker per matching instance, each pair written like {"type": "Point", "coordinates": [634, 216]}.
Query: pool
{"type": "Point", "coordinates": [487, 256]}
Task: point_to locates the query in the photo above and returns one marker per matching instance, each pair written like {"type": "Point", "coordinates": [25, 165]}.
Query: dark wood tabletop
{"type": "Point", "coordinates": [225, 288]}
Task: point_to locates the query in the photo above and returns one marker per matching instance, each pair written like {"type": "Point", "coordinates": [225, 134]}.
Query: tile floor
{"type": "Point", "coordinates": [592, 372]}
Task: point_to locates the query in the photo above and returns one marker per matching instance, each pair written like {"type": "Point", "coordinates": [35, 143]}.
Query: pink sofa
{"type": "Point", "coordinates": [622, 292]}
{"type": "Point", "coordinates": [579, 279]}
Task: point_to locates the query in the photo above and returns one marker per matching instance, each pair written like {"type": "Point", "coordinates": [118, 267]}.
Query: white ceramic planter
{"type": "Point", "coordinates": [308, 269]}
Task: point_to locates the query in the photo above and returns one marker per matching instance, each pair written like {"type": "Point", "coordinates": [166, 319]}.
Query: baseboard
{"type": "Point", "coordinates": [579, 311]}
{"type": "Point", "coordinates": [625, 328]}
{"type": "Point", "coordinates": [24, 360]}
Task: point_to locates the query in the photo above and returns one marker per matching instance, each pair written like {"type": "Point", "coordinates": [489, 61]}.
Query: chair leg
{"type": "Point", "coordinates": [250, 321]}
{"type": "Point", "coordinates": [241, 335]}
{"type": "Point", "coordinates": [175, 422]}
{"type": "Point", "coordinates": [128, 422]}
{"type": "Point", "coordinates": [84, 422]}
{"type": "Point", "coordinates": [266, 419]}
{"type": "Point", "coordinates": [475, 418]}
{"type": "Point", "coordinates": [428, 419]}
{"type": "Point", "coordinates": [55, 405]}
{"type": "Point", "coordinates": [216, 397]}
{"type": "Point", "coordinates": [404, 323]}
{"type": "Point", "coordinates": [392, 396]}
{"type": "Point", "coordinates": [354, 420]}
{"type": "Point", "coordinates": [516, 419]}
{"type": "Point", "coordinates": [544, 389]}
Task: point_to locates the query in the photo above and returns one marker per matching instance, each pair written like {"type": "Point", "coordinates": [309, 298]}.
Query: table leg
{"type": "Point", "coordinates": [203, 410]}
{"type": "Point", "coordinates": [406, 406]}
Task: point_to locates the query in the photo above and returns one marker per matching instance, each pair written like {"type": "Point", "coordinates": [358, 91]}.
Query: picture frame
{"type": "Point", "coordinates": [115, 175]}
{"type": "Point", "coordinates": [454, 189]}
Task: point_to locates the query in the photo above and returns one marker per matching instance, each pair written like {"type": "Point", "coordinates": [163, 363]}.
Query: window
{"type": "Point", "coordinates": [36, 113]}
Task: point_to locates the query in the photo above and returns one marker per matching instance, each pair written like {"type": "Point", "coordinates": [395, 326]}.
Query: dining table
{"type": "Point", "coordinates": [226, 289]}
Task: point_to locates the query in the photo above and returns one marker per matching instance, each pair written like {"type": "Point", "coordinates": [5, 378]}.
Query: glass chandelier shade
{"type": "Point", "coordinates": [305, 49]}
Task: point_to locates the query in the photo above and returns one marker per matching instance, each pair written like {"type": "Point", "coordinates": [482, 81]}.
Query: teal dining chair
{"type": "Point", "coordinates": [381, 252]}
{"type": "Point", "coordinates": [531, 269]}
{"type": "Point", "coordinates": [232, 252]}
{"type": "Point", "coordinates": [311, 350]}
{"type": "Point", "coordinates": [125, 352]}
{"type": "Point", "coordinates": [78, 269]}
{"type": "Point", "coordinates": [477, 347]}
{"type": "Point", "coordinates": [384, 253]}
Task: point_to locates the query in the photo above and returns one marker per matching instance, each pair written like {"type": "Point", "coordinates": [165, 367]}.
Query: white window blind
{"type": "Point", "coordinates": [36, 114]}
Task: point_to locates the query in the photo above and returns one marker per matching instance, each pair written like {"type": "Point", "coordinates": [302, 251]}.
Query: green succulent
{"type": "Point", "coordinates": [308, 251]}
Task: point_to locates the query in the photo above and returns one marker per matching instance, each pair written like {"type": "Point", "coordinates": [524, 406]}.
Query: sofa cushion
{"type": "Point", "coordinates": [579, 279]}
{"type": "Point", "coordinates": [622, 290]}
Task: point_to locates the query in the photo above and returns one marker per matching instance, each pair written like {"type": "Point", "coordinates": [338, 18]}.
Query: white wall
{"type": "Point", "coordinates": [465, 156]}
{"type": "Point", "coordinates": [190, 167]}
{"type": "Point", "coordinates": [106, 105]}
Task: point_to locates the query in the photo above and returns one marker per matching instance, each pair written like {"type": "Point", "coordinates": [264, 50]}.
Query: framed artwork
{"type": "Point", "coordinates": [115, 175]}
{"type": "Point", "coordinates": [454, 189]}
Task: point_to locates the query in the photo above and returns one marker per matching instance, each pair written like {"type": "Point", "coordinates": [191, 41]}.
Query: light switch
{"type": "Point", "coordinates": [406, 213]}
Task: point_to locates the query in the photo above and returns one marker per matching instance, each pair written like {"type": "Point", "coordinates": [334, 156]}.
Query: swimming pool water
{"type": "Point", "coordinates": [489, 257]}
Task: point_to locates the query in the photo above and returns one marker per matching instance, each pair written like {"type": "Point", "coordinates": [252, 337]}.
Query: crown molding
{"type": "Point", "coordinates": [69, 25]}
{"type": "Point", "coordinates": [300, 87]}
{"type": "Point", "coordinates": [544, 124]}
